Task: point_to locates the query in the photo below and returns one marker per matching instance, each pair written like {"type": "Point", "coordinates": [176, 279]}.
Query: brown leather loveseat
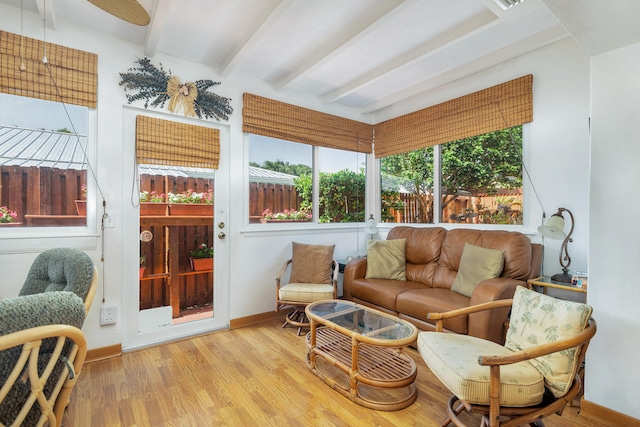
{"type": "Point", "coordinates": [432, 260]}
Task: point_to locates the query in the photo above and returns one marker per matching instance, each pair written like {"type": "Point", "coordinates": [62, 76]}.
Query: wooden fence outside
{"type": "Point", "coordinates": [479, 208]}
{"type": "Point", "coordinates": [195, 289]}
{"type": "Point", "coordinates": [58, 190]}
{"type": "Point", "coordinates": [276, 197]}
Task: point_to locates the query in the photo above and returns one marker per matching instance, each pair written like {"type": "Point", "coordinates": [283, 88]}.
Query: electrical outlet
{"type": "Point", "coordinates": [108, 221]}
{"type": "Point", "coordinates": [108, 314]}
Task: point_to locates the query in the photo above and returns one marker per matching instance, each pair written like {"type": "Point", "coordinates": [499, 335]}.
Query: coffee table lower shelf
{"type": "Point", "coordinates": [376, 377]}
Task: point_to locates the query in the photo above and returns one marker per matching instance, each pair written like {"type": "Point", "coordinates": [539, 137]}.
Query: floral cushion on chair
{"type": "Point", "coordinates": [540, 319]}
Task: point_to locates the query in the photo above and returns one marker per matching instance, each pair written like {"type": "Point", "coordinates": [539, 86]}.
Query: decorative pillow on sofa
{"type": "Point", "coordinates": [477, 264]}
{"type": "Point", "coordinates": [311, 263]}
{"type": "Point", "coordinates": [386, 259]}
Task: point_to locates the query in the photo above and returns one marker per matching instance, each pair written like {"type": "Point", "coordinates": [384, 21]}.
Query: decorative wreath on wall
{"type": "Point", "coordinates": [157, 86]}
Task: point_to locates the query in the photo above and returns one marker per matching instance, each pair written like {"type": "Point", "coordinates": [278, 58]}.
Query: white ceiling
{"type": "Point", "coordinates": [366, 55]}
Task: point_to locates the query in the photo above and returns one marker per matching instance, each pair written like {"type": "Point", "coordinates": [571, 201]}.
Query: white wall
{"type": "Point", "coordinates": [614, 256]}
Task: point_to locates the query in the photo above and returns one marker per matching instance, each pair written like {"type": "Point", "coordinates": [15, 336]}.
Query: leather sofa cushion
{"type": "Point", "coordinates": [516, 248]}
{"type": "Point", "coordinates": [382, 292]}
{"type": "Point", "coordinates": [422, 250]}
{"type": "Point", "coordinates": [420, 302]}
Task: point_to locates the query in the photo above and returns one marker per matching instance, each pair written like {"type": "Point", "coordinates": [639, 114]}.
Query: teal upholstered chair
{"type": "Point", "coordinates": [532, 376]}
{"type": "Point", "coordinates": [62, 269]}
{"type": "Point", "coordinates": [42, 348]}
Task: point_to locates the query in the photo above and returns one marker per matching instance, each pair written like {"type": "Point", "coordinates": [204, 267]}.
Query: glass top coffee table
{"type": "Point", "coordinates": [357, 351]}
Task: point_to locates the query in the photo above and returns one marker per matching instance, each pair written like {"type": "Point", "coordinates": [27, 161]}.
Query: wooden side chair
{"type": "Point", "coordinates": [42, 347]}
{"type": "Point", "coordinates": [313, 277]}
{"type": "Point", "coordinates": [531, 377]}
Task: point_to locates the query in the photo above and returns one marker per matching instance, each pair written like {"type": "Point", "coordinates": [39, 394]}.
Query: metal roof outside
{"type": "Point", "coordinates": [42, 148]}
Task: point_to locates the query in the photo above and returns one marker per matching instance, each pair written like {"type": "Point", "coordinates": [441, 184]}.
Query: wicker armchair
{"type": "Point", "coordinates": [42, 348]}
{"type": "Point", "coordinates": [313, 277]}
{"type": "Point", "coordinates": [531, 377]}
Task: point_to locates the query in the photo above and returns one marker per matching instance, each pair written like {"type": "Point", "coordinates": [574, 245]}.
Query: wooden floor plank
{"type": "Point", "coordinates": [256, 375]}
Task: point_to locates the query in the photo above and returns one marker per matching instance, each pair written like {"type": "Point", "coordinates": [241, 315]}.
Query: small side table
{"type": "Point", "coordinates": [545, 282]}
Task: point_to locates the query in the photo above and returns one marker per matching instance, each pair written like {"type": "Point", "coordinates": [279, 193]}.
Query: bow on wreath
{"type": "Point", "coordinates": [181, 96]}
{"type": "Point", "coordinates": [157, 86]}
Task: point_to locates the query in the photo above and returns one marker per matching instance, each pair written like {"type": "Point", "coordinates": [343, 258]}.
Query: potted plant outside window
{"type": "Point", "coordinates": [201, 258]}
{"type": "Point", "coordinates": [8, 217]}
{"type": "Point", "coordinates": [152, 204]}
{"type": "Point", "coordinates": [190, 203]}
{"type": "Point", "coordinates": [143, 260]}
{"type": "Point", "coordinates": [285, 216]}
{"type": "Point", "coordinates": [81, 205]}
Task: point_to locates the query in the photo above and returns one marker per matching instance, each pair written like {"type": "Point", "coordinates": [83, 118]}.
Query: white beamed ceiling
{"type": "Point", "coordinates": [366, 55]}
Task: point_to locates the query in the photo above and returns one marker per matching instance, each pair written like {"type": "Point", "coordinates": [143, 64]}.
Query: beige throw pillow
{"type": "Point", "coordinates": [311, 263]}
{"type": "Point", "coordinates": [386, 259]}
{"type": "Point", "coordinates": [477, 264]}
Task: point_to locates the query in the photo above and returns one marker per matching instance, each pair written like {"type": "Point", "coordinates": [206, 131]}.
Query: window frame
{"type": "Point", "coordinates": [315, 149]}
{"type": "Point", "coordinates": [437, 189]}
{"type": "Point", "coordinates": [25, 239]}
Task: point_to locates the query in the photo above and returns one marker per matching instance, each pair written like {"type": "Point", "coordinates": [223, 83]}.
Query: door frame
{"type": "Point", "coordinates": [131, 337]}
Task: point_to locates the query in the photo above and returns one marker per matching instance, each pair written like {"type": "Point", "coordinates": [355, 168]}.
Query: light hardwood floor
{"type": "Point", "coordinates": [252, 376]}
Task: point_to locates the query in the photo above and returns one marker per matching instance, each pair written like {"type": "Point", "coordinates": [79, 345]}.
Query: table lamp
{"type": "Point", "coordinates": [371, 227]}
{"type": "Point", "coordinates": [553, 228]}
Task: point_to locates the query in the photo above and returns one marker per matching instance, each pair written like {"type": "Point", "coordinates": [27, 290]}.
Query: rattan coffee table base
{"type": "Point", "coordinates": [380, 378]}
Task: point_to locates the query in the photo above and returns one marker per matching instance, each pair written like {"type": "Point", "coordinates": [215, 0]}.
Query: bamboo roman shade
{"type": "Point", "coordinates": [163, 142]}
{"type": "Point", "coordinates": [275, 119]}
{"type": "Point", "coordinates": [505, 105]}
{"type": "Point", "coordinates": [70, 76]}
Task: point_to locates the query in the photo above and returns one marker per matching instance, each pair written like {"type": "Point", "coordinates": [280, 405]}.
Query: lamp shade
{"type": "Point", "coordinates": [372, 225]}
{"type": "Point", "coordinates": [553, 228]}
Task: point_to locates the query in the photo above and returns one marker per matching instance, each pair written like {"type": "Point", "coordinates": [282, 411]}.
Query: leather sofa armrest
{"type": "Point", "coordinates": [494, 289]}
{"type": "Point", "coordinates": [490, 324]}
{"type": "Point", "coordinates": [355, 269]}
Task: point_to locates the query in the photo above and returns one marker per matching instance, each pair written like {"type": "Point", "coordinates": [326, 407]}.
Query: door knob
{"type": "Point", "coordinates": [221, 235]}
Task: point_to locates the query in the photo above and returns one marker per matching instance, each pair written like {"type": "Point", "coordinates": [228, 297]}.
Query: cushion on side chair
{"type": "Point", "coordinates": [59, 269]}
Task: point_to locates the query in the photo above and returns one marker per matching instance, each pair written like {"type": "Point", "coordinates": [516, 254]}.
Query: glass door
{"type": "Point", "coordinates": [181, 279]}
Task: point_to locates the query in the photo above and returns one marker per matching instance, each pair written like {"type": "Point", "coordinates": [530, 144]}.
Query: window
{"type": "Point", "coordinates": [282, 176]}
{"type": "Point", "coordinates": [43, 161]}
{"type": "Point", "coordinates": [480, 181]}
{"type": "Point", "coordinates": [280, 180]}
{"type": "Point", "coordinates": [407, 187]}
{"type": "Point", "coordinates": [342, 185]}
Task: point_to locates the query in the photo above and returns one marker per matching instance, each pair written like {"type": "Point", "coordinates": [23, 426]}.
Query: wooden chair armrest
{"type": "Point", "coordinates": [282, 270]}
{"type": "Point", "coordinates": [336, 271]}
{"type": "Point", "coordinates": [334, 281]}
{"type": "Point", "coordinates": [471, 309]}
{"type": "Point", "coordinates": [541, 350]}
{"type": "Point", "coordinates": [439, 317]}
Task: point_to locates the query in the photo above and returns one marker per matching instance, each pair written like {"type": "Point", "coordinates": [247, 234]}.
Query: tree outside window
{"type": "Point", "coordinates": [341, 177]}
{"type": "Point", "coordinates": [481, 181]}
